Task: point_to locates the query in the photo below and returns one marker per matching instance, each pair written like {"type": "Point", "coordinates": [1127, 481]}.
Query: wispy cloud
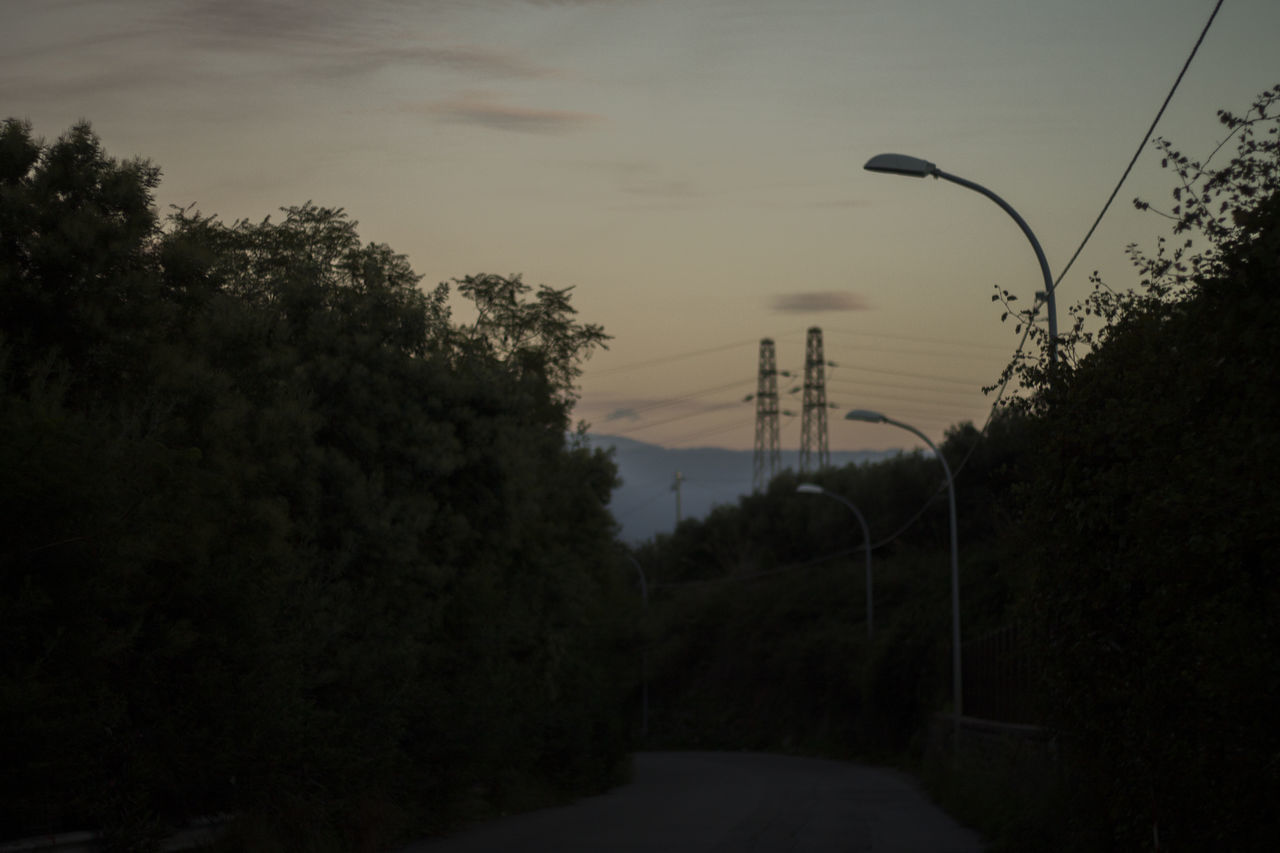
{"type": "Point", "coordinates": [470, 61]}
{"type": "Point", "coordinates": [303, 40]}
{"type": "Point", "coordinates": [476, 60]}
{"type": "Point", "coordinates": [488, 109]}
{"type": "Point", "coordinates": [624, 414]}
{"type": "Point", "coordinates": [820, 301]}
{"type": "Point", "coordinates": [338, 39]}
{"type": "Point", "coordinates": [256, 20]}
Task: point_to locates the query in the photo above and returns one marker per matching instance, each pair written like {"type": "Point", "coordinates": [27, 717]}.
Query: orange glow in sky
{"type": "Point", "coordinates": [692, 168]}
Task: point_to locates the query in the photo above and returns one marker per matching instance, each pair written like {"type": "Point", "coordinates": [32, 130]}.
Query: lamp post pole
{"type": "Point", "coordinates": [811, 489]}
{"type": "Point", "coordinates": [957, 682]}
{"type": "Point", "coordinates": [901, 164]}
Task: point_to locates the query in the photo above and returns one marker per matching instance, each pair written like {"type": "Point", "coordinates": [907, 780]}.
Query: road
{"type": "Point", "coordinates": [727, 802]}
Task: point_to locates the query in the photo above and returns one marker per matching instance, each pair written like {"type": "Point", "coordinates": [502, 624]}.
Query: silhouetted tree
{"type": "Point", "coordinates": [279, 537]}
{"type": "Point", "coordinates": [1150, 517]}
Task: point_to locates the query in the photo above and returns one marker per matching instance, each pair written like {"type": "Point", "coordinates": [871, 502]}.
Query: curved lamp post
{"type": "Point", "coordinates": [811, 489]}
{"type": "Point", "coordinates": [901, 164]}
{"type": "Point", "coordinates": [957, 686]}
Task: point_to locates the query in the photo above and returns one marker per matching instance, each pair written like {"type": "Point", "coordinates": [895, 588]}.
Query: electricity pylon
{"type": "Point", "coordinates": [814, 454]}
{"type": "Point", "coordinates": [768, 456]}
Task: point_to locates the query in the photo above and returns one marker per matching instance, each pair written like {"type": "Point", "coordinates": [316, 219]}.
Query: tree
{"type": "Point", "coordinates": [279, 538]}
{"type": "Point", "coordinates": [75, 231]}
{"type": "Point", "coordinates": [1151, 524]}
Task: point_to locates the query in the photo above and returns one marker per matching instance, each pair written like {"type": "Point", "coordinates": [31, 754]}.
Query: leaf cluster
{"type": "Point", "coordinates": [279, 537]}
{"type": "Point", "coordinates": [1214, 218]}
{"type": "Point", "coordinates": [1148, 516]}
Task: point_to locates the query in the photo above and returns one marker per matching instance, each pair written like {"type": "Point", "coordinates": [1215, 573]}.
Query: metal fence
{"type": "Point", "coordinates": [998, 677]}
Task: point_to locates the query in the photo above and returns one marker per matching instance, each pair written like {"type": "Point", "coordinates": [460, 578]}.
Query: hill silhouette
{"type": "Point", "coordinates": [645, 504]}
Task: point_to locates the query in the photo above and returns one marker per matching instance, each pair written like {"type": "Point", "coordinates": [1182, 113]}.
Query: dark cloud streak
{"type": "Point", "coordinates": [487, 110]}
{"type": "Point", "coordinates": [336, 39]}
{"type": "Point", "coordinates": [304, 40]}
{"type": "Point", "coordinates": [468, 60]}
{"type": "Point", "coordinates": [821, 301]}
{"type": "Point", "coordinates": [244, 22]}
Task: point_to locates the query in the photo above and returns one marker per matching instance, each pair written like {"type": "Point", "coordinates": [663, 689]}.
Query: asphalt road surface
{"type": "Point", "coordinates": [728, 802]}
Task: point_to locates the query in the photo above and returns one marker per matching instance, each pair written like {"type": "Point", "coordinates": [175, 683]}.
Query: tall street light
{"type": "Point", "coordinates": [812, 489]}
{"type": "Point", "coordinates": [901, 164]}
{"type": "Point", "coordinates": [957, 687]}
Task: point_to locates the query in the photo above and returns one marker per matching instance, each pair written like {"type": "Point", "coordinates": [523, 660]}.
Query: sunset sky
{"type": "Point", "coordinates": [693, 168]}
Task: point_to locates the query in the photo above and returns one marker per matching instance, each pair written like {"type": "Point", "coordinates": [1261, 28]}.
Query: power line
{"type": "Point", "coordinates": [1106, 206]}
{"type": "Point", "coordinates": [881, 395]}
{"type": "Point", "coordinates": [907, 405]}
{"type": "Point", "coordinates": [954, 392]}
{"type": "Point", "coordinates": [1017, 351]}
{"type": "Point", "coordinates": [667, 359]}
{"type": "Point", "coordinates": [1027, 327]}
{"type": "Point", "coordinates": [971, 356]}
{"type": "Point", "coordinates": [950, 379]}
{"type": "Point", "coordinates": [670, 401]}
{"type": "Point", "coordinates": [932, 415]}
{"type": "Point", "coordinates": [744, 424]}
{"type": "Point", "coordinates": [718, 407]}
{"type": "Point", "coordinates": [947, 341]}
{"type": "Point", "coordinates": [1141, 146]}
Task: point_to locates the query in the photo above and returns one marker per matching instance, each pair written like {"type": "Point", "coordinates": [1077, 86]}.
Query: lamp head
{"type": "Point", "coordinates": [900, 164]}
{"type": "Point", "coordinates": [810, 489]}
{"type": "Point", "coordinates": [865, 415]}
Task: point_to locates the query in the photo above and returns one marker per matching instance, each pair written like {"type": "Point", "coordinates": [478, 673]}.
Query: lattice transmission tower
{"type": "Point", "coordinates": [814, 454]}
{"type": "Point", "coordinates": [768, 456]}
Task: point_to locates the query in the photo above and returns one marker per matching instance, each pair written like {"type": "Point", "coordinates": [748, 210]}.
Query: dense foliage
{"type": "Point", "coordinates": [1150, 518]}
{"type": "Point", "coordinates": [280, 538]}
{"type": "Point", "coordinates": [760, 621]}
{"type": "Point", "coordinates": [1119, 513]}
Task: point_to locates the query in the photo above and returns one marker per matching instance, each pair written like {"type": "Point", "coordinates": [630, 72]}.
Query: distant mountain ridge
{"type": "Point", "coordinates": [645, 504]}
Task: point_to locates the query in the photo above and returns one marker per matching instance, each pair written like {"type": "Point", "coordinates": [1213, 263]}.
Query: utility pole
{"type": "Point", "coordinates": [813, 428]}
{"type": "Point", "coordinates": [768, 457]}
{"type": "Point", "coordinates": [675, 487]}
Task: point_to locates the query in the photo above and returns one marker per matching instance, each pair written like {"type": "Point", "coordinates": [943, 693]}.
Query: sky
{"type": "Point", "coordinates": [692, 168]}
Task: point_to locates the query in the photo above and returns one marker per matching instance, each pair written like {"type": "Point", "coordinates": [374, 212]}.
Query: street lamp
{"type": "Point", "coordinates": [901, 164]}
{"type": "Point", "coordinates": [957, 687]}
{"type": "Point", "coordinates": [812, 489]}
